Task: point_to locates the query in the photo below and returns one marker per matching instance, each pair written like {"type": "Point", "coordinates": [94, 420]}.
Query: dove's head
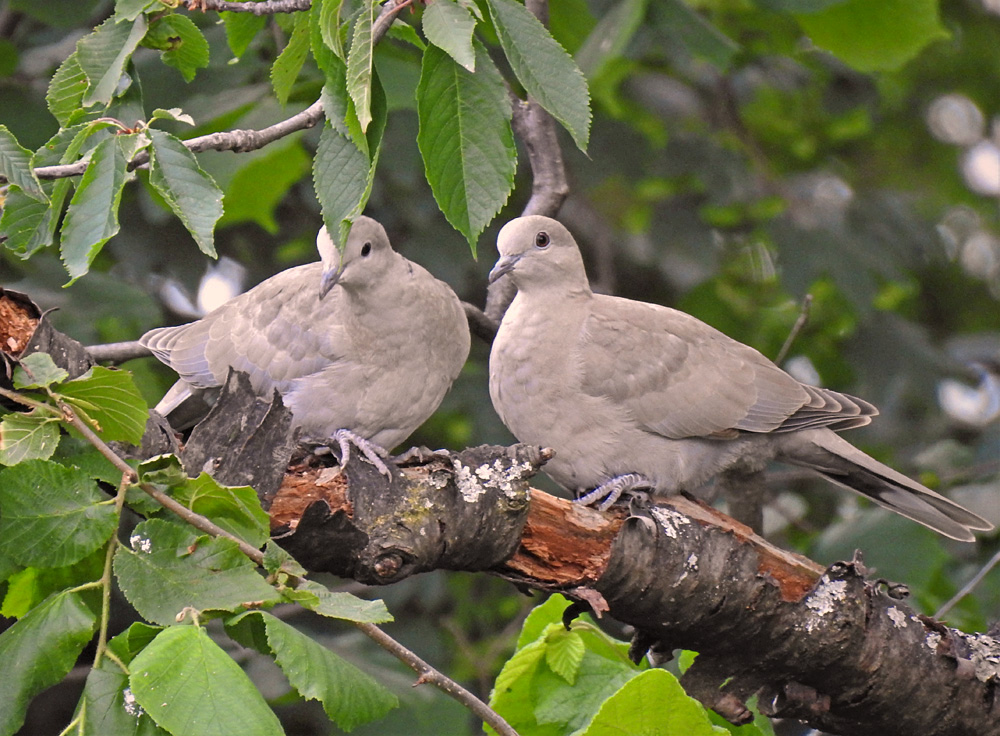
{"type": "Point", "coordinates": [363, 261]}
{"type": "Point", "coordinates": [538, 250]}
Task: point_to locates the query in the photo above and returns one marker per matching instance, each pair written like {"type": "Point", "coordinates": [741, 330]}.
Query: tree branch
{"type": "Point", "coordinates": [266, 7]}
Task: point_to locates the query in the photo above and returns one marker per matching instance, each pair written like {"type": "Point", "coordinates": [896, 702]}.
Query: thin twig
{"type": "Point", "coordinates": [238, 141]}
{"type": "Point", "coordinates": [118, 352]}
{"type": "Point", "coordinates": [431, 675]}
{"type": "Point", "coordinates": [800, 322]}
{"type": "Point", "coordinates": [266, 7]}
{"type": "Point", "coordinates": [385, 18]}
{"type": "Point", "coordinates": [968, 587]}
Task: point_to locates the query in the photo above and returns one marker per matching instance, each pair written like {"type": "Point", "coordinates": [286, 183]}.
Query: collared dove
{"type": "Point", "coordinates": [636, 395]}
{"type": "Point", "coordinates": [365, 362]}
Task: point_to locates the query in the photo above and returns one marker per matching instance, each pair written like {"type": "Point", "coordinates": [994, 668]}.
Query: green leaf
{"type": "Point", "coordinates": [28, 587]}
{"type": "Point", "coordinates": [26, 222]}
{"type": "Point", "coordinates": [344, 606]}
{"type": "Point", "coordinates": [449, 26]}
{"type": "Point", "coordinates": [164, 471]}
{"type": "Point", "coordinates": [27, 437]}
{"type": "Point", "coordinates": [37, 370]}
{"type": "Point", "coordinates": [541, 616]}
{"type": "Point", "coordinates": [191, 193]}
{"type": "Point", "coordinates": [875, 36]}
{"type": "Point", "coordinates": [52, 515]}
{"type": "Point", "coordinates": [109, 398]}
{"type": "Point", "coordinates": [276, 558]}
{"type": "Point", "coordinates": [689, 29]}
{"type": "Point", "coordinates": [349, 696]}
{"type": "Point", "coordinates": [563, 653]}
{"type": "Point", "coordinates": [107, 705]}
{"type": "Point", "coordinates": [329, 25]}
{"type": "Point", "coordinates": [170, 567]}
{"type": "Point", "coordinates": [190, 687]}
{"type": "Point", "coordinates": [247, 201]}
{"type": "Point", "coordinates": [547, 72]}
{"type": "Point", "coordinates": [38, 651]}
{"type": "Point", "coordinates": [103, 54]}
{"type": "Point", "coordinates": [359, 64]}
{"type": "Point", "coordinates": [286, 67]}
{"type": "Point", "coordinates": [66, 90]}
{"type": "Point", "coordinates": [340, 176]}
{"type": "Point", "coordinates": [173, 113]}
{"type": "Point", "coordinates": [237, 510]}
{"type": "Point", "coordinates": [241, 29]}
{"type": "Point", "coordinates": [652, 702]}
{"type": "Point", "coordinates": [513, 696]}
{"type": "Point", "coordinates": [15, 164]}
{"type": "Point", "coordinates": [92, 217]}
{"type": "Point", "coordinates": [465, 139]}
{"type": "Point", "coordinates": [183, 44]}
{"type": "Point", "coordinates": [132, 9]}
{"type": "Point", "coordinates": [797, 6]}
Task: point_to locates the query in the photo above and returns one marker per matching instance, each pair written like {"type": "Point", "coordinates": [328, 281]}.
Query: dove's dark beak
{"type": "Point", "coordinates": [329, 280]}
{"type": "Point", "coordinates": [504, 265]}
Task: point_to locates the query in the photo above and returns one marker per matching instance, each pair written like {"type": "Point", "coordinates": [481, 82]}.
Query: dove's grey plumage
{"type": "Point", "coordinates": [619, 387]}
{"type": "Point", "coordinates": [366, 341]}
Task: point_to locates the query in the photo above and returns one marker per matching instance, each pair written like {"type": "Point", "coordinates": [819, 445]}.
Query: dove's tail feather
{"type": "Point", "coordinates": [839, 461]}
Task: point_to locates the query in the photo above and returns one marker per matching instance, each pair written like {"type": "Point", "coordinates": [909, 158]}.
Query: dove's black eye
{"type": "Point", "coordinates": [366, 249]}
{"type": "Point", "coordinates": [542, 240]}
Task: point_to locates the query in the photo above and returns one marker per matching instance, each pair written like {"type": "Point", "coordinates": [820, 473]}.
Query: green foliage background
{"type": "Point", "coordinates": [740, 156]}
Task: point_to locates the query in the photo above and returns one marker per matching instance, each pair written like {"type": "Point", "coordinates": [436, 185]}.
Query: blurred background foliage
{"type": "Point", "coordinates": [734, 168]}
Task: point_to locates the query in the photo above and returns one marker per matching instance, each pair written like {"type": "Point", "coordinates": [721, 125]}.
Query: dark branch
{"type": "Point", "coordinates": [117, 352]}
{"type": "Point", "coordinates": [479, 324]}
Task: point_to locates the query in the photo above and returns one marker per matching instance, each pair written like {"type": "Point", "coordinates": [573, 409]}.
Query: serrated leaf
{"type": "Point", "coordinates": [359, 64]}
{"type": "Point", "coordinates": [52, 515]}
{"type": "Point", "coordinates": [66, 89]}
{"type": "Point", "coordinates": [541, 616]}
{"type": "Point", "coordinates": [38, 651]}
{"type": "Point", "coordinates": [465, 139]}
{"type": "Point", "coordinates": [173, 113]}
{"type": "Point", "coordinates": [132, 9]}
{"type": "Point", "coordinates": [349, 696]}
{"type": "Point", "coordinates": [164, 471]}
{"type": "Point", "coordinates": [92, 217]}
{"type": "Point", "coordinates": [15, 165]}
{"type": "Point", "coordinates": [191, 193]}
{"type": "Point", "coordinates": [547, 72]}
{"type": "Point", "coordinates": [276, 558]}
{"type": "Point", "coordinates": [183, 44]}
{"type": "Point", "coordinates": [27, 437]}
{"type": "Point", "coordinates": [563, 654]}
{"type": "Point", "coordinates": [190, 687]}
{"type": "Point", "coordinates": [286, 67]}
{"type": "Point", "coordinates": [339, 605]}
{"type": "Point", "coordinates": [26, 223]}
{"type": "Point", "coordinates": [652, 702]}
{"type": "Point", "coordinates": [170, 567]}
{"type": "Point", "coordinates": [340, 176]}
{"type": "Point", "coordinates": [111, 399]}
{"type": "Point", "coordinates": [237, 510]}
{"type": "Point", "coordinates": [37, 370]}
{"type": "Point", "coordinates": [241, 29]}
{"type": "Point", "coordinates": [880, 36]}
{"type": "Point", "coordinates": [512, 694]}
{"type": "Point", "coordinates": [103, 54]}
{"type": "Point", "coordinates": [449, 26]}
{"type": "Point", "coordinates": [329, 25]}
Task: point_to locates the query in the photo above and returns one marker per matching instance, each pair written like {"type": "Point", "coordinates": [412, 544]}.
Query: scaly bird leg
{"type": "Point", "coordinates": [611, 490]}
{"type": "Point", "coordinates": [372, 452]}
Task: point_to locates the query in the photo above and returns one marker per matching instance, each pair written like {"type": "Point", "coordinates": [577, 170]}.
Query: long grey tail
{"type": "Point", "coordinates": [836, 459]}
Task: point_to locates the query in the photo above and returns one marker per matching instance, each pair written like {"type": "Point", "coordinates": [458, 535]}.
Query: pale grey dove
{"type": "Point", "coordinates": [362, 346]}
{"type": "Point", "coordinates": [636, 395]}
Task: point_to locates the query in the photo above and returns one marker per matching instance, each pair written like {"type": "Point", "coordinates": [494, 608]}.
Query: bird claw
{"type": "Point", "coordinates": [421, 456]}
{"type": "Point", "coordinates": [611, 490]}
{"type": "Point", "coordinates": [373, 453]}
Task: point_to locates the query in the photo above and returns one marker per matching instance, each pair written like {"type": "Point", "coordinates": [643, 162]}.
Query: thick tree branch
{"type": "Point", "coordinates": [828, 647]}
